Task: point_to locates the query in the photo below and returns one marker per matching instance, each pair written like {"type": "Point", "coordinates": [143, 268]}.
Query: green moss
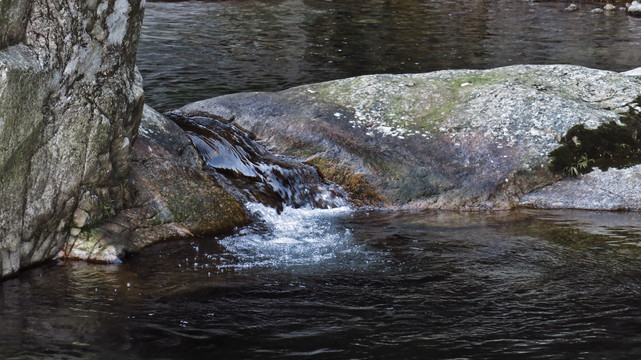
{"type": "Point", "coordinates": [182, 209]}
{"type": "Point", "coordinates": [420, 117]}
{"type": "Point", "coordinates": [476, 79]}
{"type": "Point", "coordinates": [108, 209]}
{"type": "Point", "coordinates": [419, 102]}
{"type": "Point", "coordinates": [609, 145]}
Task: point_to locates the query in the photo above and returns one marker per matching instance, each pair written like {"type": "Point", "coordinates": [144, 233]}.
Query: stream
{"type": "Point", "coordinates": [313, 278]}
{"type": "Point", "coordinates": [344, 284]}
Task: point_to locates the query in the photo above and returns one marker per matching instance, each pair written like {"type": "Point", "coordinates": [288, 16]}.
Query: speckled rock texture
{"type": "Point", "coordinates": [634, 72]}
{"type": "Point", "coordinates": [614, 189]}
{"type": "Point", "coordinates": [13, 21]}
{"type": "Point", "coordinates": [71, 101]}
{"type": "Point", "coordinates": [173, 198]}
{"type": "Point", "coordinates": [459, 139]}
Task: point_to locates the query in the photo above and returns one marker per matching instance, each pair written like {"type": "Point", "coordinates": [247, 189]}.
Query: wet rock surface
{"type": "Point", "coordinates": [460, 139]}
{"type": "Point", "coordinates": [71, 100]}
{"type": "Point", "coordinates": [172, 197]}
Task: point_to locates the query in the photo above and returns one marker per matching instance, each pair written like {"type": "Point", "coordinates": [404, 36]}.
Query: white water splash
{"type": "Point", "coordinates": [300, 236]}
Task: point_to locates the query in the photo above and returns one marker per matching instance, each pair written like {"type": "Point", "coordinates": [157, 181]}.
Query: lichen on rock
{"type": "Point", "coordinates": [454, 139]}
{"type": "Point", "coordinates": [70, 106]}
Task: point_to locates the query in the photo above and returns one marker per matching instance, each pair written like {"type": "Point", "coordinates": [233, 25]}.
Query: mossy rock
{"type": "Point", "coordinates": [453, 139]}
{"type": "Point", "coordinates": [611, 144]}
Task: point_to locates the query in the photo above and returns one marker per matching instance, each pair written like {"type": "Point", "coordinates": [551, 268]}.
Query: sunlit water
{"type": "Point", "coordinates": [199, 49]}
{"type": "Point", "coordinates": [342, 284]}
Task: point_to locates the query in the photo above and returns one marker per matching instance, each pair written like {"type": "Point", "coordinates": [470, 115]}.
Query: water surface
{"type": "Point", "coordinates": [337, 284]}
{"type": "Point", "coordinates": [195, 50]}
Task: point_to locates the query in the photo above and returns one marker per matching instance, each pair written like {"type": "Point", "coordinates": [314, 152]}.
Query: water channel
{"type": "Point", "coordinates": [342, 283]}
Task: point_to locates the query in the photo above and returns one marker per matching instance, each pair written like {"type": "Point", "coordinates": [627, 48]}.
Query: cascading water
{"type": "Point", "coordinates": [252, 173]}
{"type": "Point", "coordinates": [294, 207]}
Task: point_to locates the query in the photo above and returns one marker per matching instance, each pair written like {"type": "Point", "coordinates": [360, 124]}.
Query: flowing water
{"type": "Point", "coordinates": [331, 282]}
{"type": "Point", "coordinates": [251, 172]}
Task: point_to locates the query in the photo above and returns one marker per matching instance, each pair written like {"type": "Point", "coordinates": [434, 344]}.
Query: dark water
{"type": "Point", "coordinates": [334, 284]}
{"type": "Point", "coordinates": [199, 49]}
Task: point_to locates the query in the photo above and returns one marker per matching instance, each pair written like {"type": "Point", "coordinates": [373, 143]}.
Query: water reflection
{"type": "Point", "coordinates": [534, 284]}
{"type": "Point", "coordinates": [60, 311]}
{"type": "Point", "coordinates": [194, 50]}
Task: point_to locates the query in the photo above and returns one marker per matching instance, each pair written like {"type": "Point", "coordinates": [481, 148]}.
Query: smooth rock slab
{"type": "Point", "coordinates": [459, 139]}
{"type": "Point", "coordinates": [634, 72]}
{"type": "Point", "coordinates": [615, 189]}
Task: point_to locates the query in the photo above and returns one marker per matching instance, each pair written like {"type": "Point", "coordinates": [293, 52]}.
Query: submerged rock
{"type": "Point", "coordinates": [456, 139]}
{"type": "Point", "coordinates": [71, 100]}
{"type": "Point", "coordinates": [172, 197]}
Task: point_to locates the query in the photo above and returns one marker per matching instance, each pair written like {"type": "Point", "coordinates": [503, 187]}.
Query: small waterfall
{"type": "Point", "coordinates": [252, 173]}
{"type": "Point", "coordinates": [297, 213]}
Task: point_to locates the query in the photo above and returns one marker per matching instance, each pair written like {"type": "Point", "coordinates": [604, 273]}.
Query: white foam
{"type": "Point", "coordinates": [300, 236]}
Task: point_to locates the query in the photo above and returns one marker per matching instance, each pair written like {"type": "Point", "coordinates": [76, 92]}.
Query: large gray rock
{"type": "Point", "coordinates": [634, 72]}
{"type": "Point", "coordinates": [172, 197]}
{"type": "Point", "coordinates": [462, 139]}
{"type": "Point", "coordinates": [70, 104]}
{"type": "Point", "coordinates": [13, 21]}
